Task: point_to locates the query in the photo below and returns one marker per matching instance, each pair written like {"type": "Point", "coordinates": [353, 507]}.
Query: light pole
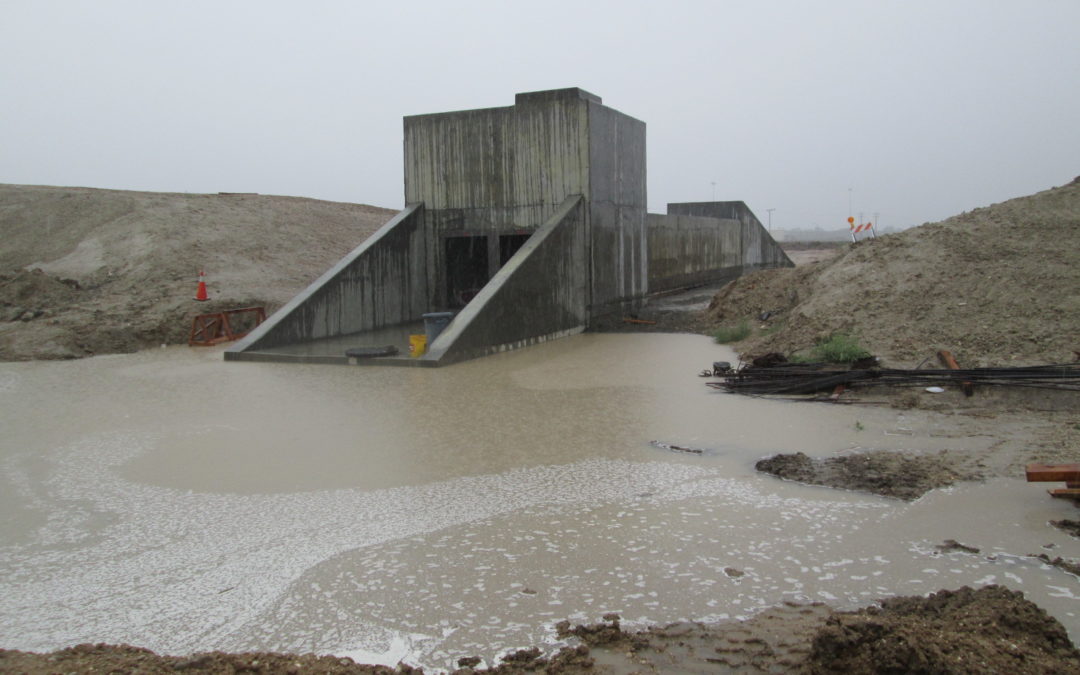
{"type": "Point", "coordinates": [770, 218]}
{"type": "Point", "coordinates": [849, 202]}
{"type": "Point", "coordinates": [714, 191]}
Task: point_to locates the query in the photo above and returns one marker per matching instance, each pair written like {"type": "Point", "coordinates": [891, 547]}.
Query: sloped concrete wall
{"type": "Point", "coordinates": [538, 295]}
{"type": "Point", "coordinates": [380, 283]}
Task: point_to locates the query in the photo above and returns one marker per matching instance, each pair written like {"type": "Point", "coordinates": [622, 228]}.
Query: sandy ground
{"type": "Point", "coordinates": [996, 286]}
{"type": "Point", "coordinates": [86, 271]}
{"type": "Point", "coordinates": [804, 253]}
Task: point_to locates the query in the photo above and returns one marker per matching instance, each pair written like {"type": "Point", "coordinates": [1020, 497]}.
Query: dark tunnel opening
{"type": "Point", "coordinates": [466, 269]}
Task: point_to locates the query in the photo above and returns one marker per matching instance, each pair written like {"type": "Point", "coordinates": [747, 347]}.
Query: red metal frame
{"type": "Point", "coordinates": [214, 328]}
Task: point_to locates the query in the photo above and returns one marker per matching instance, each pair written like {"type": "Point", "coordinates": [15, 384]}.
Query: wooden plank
{"type": "Point", "coordinates": [1065, 493]}
{"type": "Point", "coordinates": [1052, 473]}
{"type": "Point", "coordinates": [950, 362]}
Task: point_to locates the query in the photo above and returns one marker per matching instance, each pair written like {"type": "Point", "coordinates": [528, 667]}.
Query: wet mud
{"type": "Point", "coordinates": [127, 659]}
{"type": "Point", "coordinates": [1066, 525]}
{"type": "Point", "coordinates": [953, 546]}
{"type": "Point", "coordinates": [1070, 566]}
{"type": "Point", "coordinates": [992, 629]}
{"type": "Point", "coordinates": [989, 630]}
{"type": "Point", "coordinates": [890, 474]}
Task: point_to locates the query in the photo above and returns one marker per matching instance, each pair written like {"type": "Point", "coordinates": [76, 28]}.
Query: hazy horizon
{"type": "Point", "coordinates": [914, 111]}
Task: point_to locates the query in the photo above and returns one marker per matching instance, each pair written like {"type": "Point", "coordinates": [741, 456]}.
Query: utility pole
{"type": "Point", "coordinates": [714, 191]}
{"type": "Point", "coordinates": [770, 218]}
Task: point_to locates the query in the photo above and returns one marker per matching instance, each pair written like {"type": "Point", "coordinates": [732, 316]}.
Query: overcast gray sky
{"type": "Point", "coordinates": [923, 109]}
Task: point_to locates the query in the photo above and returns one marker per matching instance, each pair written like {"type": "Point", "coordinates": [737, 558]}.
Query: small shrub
{"type": "Point", "coordinates": [839, 348]}
{"type": "Point", "coordinates": [726, 334]}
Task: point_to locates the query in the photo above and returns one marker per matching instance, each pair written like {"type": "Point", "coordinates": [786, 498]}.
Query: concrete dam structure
{"type": "Point", "coordinates": [522, 224]}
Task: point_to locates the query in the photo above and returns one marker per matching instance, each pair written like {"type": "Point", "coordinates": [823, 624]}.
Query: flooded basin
{"type": "Point", "coordinates": [170, 500]}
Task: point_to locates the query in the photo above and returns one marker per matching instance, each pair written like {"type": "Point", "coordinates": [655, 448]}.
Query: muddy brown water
{"type": "Point", "coordinates": [173, 501]}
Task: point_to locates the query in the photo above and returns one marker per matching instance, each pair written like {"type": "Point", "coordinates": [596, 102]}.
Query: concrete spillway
{"type": "Point", "coordinates": [527, 221]}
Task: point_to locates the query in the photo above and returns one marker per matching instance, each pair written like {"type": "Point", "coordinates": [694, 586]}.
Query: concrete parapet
{"type": "Point", "coordinates": [734, 210]}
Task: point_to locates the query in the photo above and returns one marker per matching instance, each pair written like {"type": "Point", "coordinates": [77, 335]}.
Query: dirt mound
{"type": "Point", "coordinates": [125, 659]}
{"type": "Point", "coordinates": [27, 295]}
{"type": "Point", "coordinates": [990, 630]}
{"type": "Point", "coordinates": [891, 474]}
{"type": "Point", "coordinates": [995, 286]}
{"type": "Point", "coordinates": [99, 271]}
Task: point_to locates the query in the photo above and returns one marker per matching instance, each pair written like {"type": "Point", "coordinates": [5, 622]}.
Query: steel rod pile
{"type": "Point", "coordinates": [815, 378]}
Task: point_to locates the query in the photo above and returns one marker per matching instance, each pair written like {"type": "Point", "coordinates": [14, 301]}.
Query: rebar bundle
{"type": "Point", "coordinates": [815, 378]}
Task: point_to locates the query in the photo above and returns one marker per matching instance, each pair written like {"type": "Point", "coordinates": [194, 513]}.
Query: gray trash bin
{"type": "Point", "coordinates": [435, 323]}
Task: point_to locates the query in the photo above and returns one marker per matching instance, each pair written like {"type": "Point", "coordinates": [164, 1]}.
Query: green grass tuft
{"type": "Point", "coordinates": [838, 348]}
{"type": "Point", "coordinates": [726, 334]}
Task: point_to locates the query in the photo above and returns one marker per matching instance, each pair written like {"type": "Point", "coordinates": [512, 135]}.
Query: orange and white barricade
{"type": "Point", "coordinates": [861, 227]}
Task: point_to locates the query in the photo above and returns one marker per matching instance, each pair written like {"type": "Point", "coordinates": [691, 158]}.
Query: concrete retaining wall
{"type": "Point", "coordinates": [706, 242]}
{"type": "Point", "coordinates": [380, 283]}
{"type": "Point", "coordinates": [689, 250]}
{"type": "Point", "coordinates": [538, 295]}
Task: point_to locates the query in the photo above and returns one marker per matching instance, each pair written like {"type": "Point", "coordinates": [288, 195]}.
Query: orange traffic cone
{"type": "Point", "coordinates": [201, 293]}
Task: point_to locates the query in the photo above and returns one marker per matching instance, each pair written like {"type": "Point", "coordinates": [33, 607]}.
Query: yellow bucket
{"type": "Point", "coordinates": [417, 345]}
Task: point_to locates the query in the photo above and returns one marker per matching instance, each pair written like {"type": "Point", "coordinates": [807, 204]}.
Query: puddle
{"type": "Point", "coordinates": [173, 501]}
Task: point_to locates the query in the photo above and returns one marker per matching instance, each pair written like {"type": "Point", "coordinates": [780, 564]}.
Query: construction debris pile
{"type": "Point", "coordinates": [813, 378]}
